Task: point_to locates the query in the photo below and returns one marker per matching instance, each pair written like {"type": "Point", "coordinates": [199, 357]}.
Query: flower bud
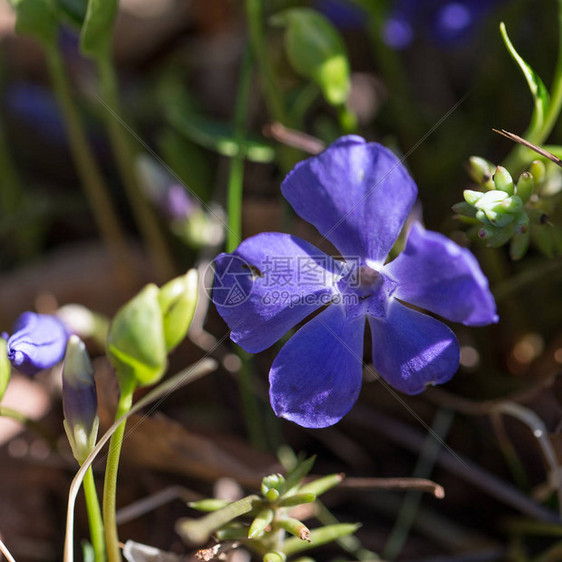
{"type": "Point", "coordinates": [178, 299]}
{"type": "Point", "coordinates": [480, 169]}
{"type": "Point", "coordinates": [136, 343]}
{"type": "Point", "coordinates": [316, 50]}
{"type": "Point", "coordinates": [79, 399]}
{"type": "Point", "coordinates": [5, 369]}
{"type": "Point", "coordinates": [503, 180]}
{"type": "Point", "coordinates": [272, 482]}
{"type": "Point", "coordinates": [38, 342]}
{"type": "Point", "coordinates": [538, 170]}
{"type": "Point", "coordinates": [525, 186]}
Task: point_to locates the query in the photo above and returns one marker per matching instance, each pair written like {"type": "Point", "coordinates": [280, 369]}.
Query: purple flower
{"type": "Point", "coordinates": [38, 342]}
{"type": "Point", "coordinates": [444, 21]}
{"type": "Point", "coordinates": [358, 195]}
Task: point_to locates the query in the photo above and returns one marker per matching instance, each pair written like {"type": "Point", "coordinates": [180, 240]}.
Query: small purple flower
{"type": "Point", "coordinates": [38, 342]}
{"type": "Point", "coordinates": [444, 21]}
{"type": "Point", "coordinates": [358, 195]}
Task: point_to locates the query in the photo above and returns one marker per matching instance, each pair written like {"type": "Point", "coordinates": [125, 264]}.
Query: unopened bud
{"type": "Point", "coordinates": [136, 343]}
{"type": "Point", "coordinates": [480, 169]}
{"type": "Point", "coordinates": [525, 186]}
{"type": "Point", "coordinates": [538, 170]}
{"type": "Point", "coordinates": [178, 300]}
{"type": "Point", "coordinates": [272, 481]}
{"type": "Point", "coordinates": [79, 399]}
{"type": "Point", "coordinates": [5, 369]}
{"type": "Point", "coordinates": [503, 180]}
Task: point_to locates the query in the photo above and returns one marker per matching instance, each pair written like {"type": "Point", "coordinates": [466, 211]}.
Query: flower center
{"type": "Point", "coordinates": [365, 291]}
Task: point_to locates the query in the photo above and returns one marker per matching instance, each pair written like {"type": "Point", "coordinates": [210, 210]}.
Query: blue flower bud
{"type": "Point", "coordinates": [38, 342]}
{"type": "Point", "coordinates": [79, 399]}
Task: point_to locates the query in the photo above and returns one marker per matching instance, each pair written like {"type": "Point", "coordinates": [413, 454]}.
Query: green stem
{"type": "Point", "coordinates": [236, 175]}
{"type": "Point", "coordinates": [234, 237]}
{"type": "Point", "coordinates": [94, 516]}
{"type": "Point", "coordinates": [90, 175]}
{"type": "Point", "coordinates": [144, 217]}
{"type": "Point", "coordinates": [110, 482]}
{"type": "Point", "coordinates": [272, 92]}
{"type": "Point", "coordinates": [556, 91]}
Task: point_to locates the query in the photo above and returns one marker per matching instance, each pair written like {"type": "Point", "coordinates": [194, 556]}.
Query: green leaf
{"type": "Point", "coordinates": [37, 19]}
{"type": "Point", "coordinates": [294, 476]}
{"type": "Point", "coordinates": [316, 50]}
{"type": "Point", "coordinates": [97, 31]}
{"type": "Point", "coordinates": [541, 98]}
{"type": "Point", "coordinates": [218, 137]}
{"type": "Point", "coordinates": [136, 344]}
{"type": "Point", "coordinates": [5, 367]}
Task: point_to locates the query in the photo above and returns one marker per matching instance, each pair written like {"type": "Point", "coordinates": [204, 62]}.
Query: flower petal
{"type": "Point", "coordinates": [412, 350]}
{"type": "Point", "coordinates": [38, 342]}
{"type": "Point", "coordinates": [436, 274]}
{"type": "Point", "coordinates": [269, 284]}
{"type": "Point", "coordinates": [316, 378]}
{"type": "Point", "coordinates": [357, 194]}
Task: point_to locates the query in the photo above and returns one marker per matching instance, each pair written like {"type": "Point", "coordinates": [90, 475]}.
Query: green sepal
{"type": "Point", "coordinates": [136, 344]}
{"type": "Point", "coordinates": [316, 50]}
{"type": "Point", "coordinates": [97, 31]}
{"type": "Point", "coordinates": [260, 523]}
{"type": "Point", "coordinates": [37, 19]}
{"type": "Point", "coordinates": [320, 536]}
{"type": "Point", "coordinates": [5, 367]}
{"type": "Point", "coordinates": [178, 300]}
